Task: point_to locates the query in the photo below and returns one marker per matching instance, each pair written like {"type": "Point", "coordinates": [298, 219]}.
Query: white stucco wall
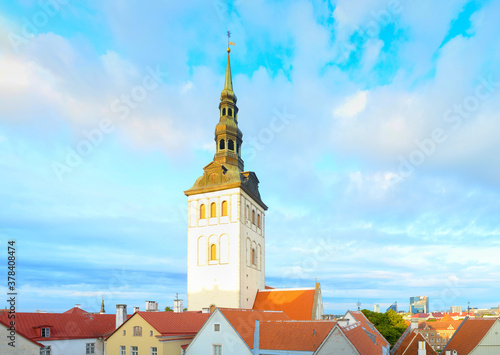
{"type": "Point", "coordinates": [22, 345]}
{"type": "Point", "coordinates": [490, 344]}
{"type": "Point", "coordinates": [228, 281]}
{"type": "Point", "coordinates": [73, 346]}
{"type": "Point", "coordinates": [230, 340]}
{"type": "Point", "coordinates": [336, 343]}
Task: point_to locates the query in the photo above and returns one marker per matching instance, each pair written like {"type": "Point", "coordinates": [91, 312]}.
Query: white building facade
{"type": "Point", "coordinates": [226, 244]}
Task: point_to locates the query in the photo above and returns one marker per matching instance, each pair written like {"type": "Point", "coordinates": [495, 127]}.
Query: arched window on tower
{"type": "Point", "coordinates": [202, 211]}
{"type": "Point", "coordinates": [258, 220]}
{"type": "Point", "coordinates": [253, 216]}
{"type": "Point", "coordinates": [248, 212]}
{"type": "Point", "coordinates": [230, 144]}
{"type": "Point", "coordinates": [253, 257]}
{"type": "Point", "coordinates": [224, 111]}
{"type": "Point", "coordinates": [230, 112]}
{"type": "Point", "coordinates": [224, 208]}
{"type": "Point", "coordinates": [213, 210]}
{"type": "Point", "coordinates": [222, 144]}
{"type": "Point", "coordinates": [213, 252]}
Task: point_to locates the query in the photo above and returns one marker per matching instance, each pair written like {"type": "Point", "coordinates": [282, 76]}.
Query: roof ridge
{"type": "Point", "coordinates": [288, 289]}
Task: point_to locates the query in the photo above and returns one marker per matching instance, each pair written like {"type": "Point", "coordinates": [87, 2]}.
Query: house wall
{"type": "Point", "coordinates": [73, 346]}
{"type": "Point", "coordinates": [22, 345]}
{"type": "Point", "coordinates": [490, 344]}
{"type": "Point", "coordinates": [230, 340]}
{"type": "Point", "coordinates": [336, 343]}
{"type": "Point", "coordinates": [172, 347]}
{"type": "Point", "coordinates": [144, 342]}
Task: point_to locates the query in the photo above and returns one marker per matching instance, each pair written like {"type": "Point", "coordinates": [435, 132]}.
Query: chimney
{"type": "Point", "coordinates": [421, 348]}
{"type": "Point", "coordinates": [151, 306]}
{"type": "Point", "coordinates": [178, 306]}
{"type": "Point", "coordinates": [78, 305]}
{"type": "Point", "coordinates": [414, 324]}
{"type": "Point", "coordinates": [121, 314]}
{"type": "Point", "coordinates": [205, 310]}
{"type": "Point", "coordinates": [343, 322]}
{"type": "Point", "coordinates": [136, 309]}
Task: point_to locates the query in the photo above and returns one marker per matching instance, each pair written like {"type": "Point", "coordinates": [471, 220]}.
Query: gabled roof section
{"type": "Point", "coordinates": [297, 303]}
{"type": "Point", "coordinates": [409, 346]}
{"type": "Point", "coordinates": [243, 321]}
{"type": "Point", "coordinates": [469, 334]}
{"type": "Point", "coordinates": [294, 335]}
{"type": "Point", "coordinates": [358, 336]}
{"type": "Point", "coordinates": [447, 318]}
{"type": "Point", "coordinates": [76, 310]}
{"type": "Point", "coordinates": [451, 325]}
{"type": "Point", "coordinates": [360, 317]}
{"type": "Point", "coordinates": [68, 325]}
{"type": "Point", "coordinates": [171, 323]}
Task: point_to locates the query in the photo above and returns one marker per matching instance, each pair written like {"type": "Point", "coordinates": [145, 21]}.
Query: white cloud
{"type": "Point", "coordinates": [352, 105]}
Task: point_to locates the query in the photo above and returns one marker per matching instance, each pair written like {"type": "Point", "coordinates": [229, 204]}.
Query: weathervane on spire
{"type": "Point", "coordinates": [228, 42]}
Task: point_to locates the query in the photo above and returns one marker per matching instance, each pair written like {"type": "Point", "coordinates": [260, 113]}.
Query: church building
{"type": "Point", "coordinates": [226, 244]}
{"type": "Point", "coordinates": [226, 231]}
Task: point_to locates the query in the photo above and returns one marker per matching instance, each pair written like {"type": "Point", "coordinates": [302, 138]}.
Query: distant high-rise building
{"type": "Point", "coordinates": [376, 307]}
{"type": "Point", "coordinates": [456, 309]}
{"type": "Point", "coordinates": [419, 304]}
{"type": "Point", "coordinates": [393, 306]}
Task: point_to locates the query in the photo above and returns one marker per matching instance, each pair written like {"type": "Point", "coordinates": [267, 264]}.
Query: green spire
{"type": "Point", "coordinates": [228, 85]}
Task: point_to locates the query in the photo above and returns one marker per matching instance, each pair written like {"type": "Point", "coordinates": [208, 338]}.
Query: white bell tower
{"type": "Point", "coordinates": [226, 244]}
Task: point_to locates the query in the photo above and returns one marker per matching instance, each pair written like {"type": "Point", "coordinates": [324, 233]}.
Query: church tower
{"type": "Point", "coordinates": [226, 245]}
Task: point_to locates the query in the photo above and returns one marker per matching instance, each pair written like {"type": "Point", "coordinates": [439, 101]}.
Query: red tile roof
{"type": "Point", "coordinates": [68, 325]}
{"type": "Point", "coordinates": [296, 303]}
{"type": "Point", "coordinates": [447, 318]}
{"type": "Point", "coordinates": [357, 334]}
{"type": "Point", "coordinates": [409, 346]}
{"type": "Point", "coordinates": [243, 320]}
{"type": "Point", "coordinates": [294, 335]}
{"type": "Point", "coordinates": [469, 334]}
{"type": "Point", "coordinates": [454, 324]}
{"type": "Point", "coordinates": [171, 323]}
{"type": "Point", "coordinates": [360, 317]}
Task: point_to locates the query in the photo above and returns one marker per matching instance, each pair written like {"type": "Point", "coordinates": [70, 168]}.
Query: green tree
{"type": "Point", "coordinates": [390, 324]}
{"type": "Point", "coordinates": [168, 309]}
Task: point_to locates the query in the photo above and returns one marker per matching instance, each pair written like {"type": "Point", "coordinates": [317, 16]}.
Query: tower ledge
{"type": "Point", "coordinates": [219, 177]}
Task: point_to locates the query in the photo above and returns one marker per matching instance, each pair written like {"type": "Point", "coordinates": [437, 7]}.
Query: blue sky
{"type": "Point", "coordinates": [372, 125]}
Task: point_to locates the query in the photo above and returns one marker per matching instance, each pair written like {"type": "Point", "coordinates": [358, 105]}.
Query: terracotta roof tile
{"type": "Point", "coordinates": [360, 317]}
{"type": "Point", "coordinates": [294, 335]}
{"type": "Point", "coordinates": [296, 303]}
{"type": "Point", "coordinates": [439, 325]}
{"type": "Point", "coordinates": [171, 323]}
{"type": "Point", "coordinates": [358, 336]}
{"type": "Point", "coordinates": [71, 325]}
{"type": "Point", "coordinates": [469, 335]}
{"type": "Point", "coordinates": [243, 320]}
{"type": "Point", "coordinates": [447, 318]}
